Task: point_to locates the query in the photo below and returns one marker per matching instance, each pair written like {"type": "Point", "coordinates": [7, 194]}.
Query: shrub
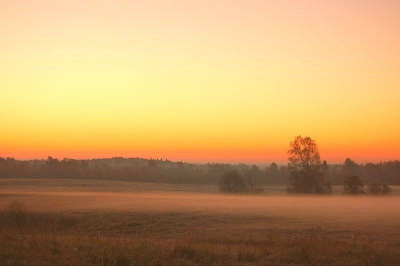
{"type": "Point", "coordinates": [379, 189]}
{"type": "Point", "coordinates": [353, 185]}
{"type": "Point", "coordinates": [232, 182]}
{"type": "Point", "coordinates": [254, 184]}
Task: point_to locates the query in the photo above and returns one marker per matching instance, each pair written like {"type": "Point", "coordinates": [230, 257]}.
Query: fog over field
{"type": "Point", "coordinates": [355, 213]}
{"type": "Point", "coordinates": [185, 226]}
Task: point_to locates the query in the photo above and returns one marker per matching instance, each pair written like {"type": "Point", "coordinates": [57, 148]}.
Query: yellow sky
{"type": "Point", "coordinates": [230, 81]}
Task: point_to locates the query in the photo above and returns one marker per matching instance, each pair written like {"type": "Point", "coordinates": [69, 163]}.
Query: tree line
{"type": "Point", "coordinates": [120, 169]}
{"type": "Point", "coordinates": [166, 171]}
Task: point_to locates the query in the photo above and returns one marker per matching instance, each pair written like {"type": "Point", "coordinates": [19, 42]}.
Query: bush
{"type": "Point", "coordinates": [254, 185]}
{"type": "Point", "coordinates": [353, 185]}
{"type": "Point", "coordinates": [232, 182]}
{"type": "Point", "coordinates": [379, 189]}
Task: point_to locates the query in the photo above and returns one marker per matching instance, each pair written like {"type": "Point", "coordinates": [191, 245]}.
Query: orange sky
{"type": "Point", "coordinates": [228, 81]}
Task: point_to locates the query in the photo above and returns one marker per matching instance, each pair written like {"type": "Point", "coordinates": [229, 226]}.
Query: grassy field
{"type": "Point", "coordinates": [67, 222]}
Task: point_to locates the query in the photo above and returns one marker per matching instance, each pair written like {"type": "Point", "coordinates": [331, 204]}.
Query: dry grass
{"type": "Point", "coordinates": [84, 225]}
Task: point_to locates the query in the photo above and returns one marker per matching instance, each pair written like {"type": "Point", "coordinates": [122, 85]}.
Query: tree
{"type": "Point", "coordinates": [304, 165]}
{"type": "Point", "coordinates": [325, 169]}
{"type": "Point", "coordinates": [272, 170]}
{"type": "Point", "coordinates": [232, 182]}
{"type": "Point", "coordinates": [350, 168]}
{"type": "Point", "coordinates": [353, 185]}
{"type": "Point", "coordinates": [253, 181]}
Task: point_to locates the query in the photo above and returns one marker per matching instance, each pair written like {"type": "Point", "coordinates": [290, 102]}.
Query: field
{"type": "Point", "coordinates": [67, 222]}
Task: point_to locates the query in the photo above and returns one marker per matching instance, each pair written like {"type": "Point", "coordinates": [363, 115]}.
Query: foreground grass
{"type": "Point", "coordinates": [290, 248]}
{"type": "Point", "coordinates": [34, 238]}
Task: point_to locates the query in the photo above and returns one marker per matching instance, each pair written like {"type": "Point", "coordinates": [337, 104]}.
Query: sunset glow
{"type": "Point", "coordinates": [199, 81]}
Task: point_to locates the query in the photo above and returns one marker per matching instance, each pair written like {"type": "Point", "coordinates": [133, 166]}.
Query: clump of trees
{"type": "Point", "coordinates": [234, 182]}
{"type": "Point", "coordinates": [305, 168]}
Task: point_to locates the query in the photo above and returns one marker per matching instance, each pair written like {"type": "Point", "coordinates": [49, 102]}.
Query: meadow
{"type": "Point", "coordinates": [75, 222]}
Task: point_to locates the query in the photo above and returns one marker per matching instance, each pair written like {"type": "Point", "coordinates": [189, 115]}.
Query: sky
{"type": "Point", "coordinates": [199, 81]}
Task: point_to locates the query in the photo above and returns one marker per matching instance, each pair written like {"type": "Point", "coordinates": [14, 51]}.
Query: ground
{"type": "Point", "coordinates": [69, 222]}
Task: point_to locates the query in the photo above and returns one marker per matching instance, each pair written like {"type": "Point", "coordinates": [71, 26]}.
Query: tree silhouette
{"type": "Point", "coordinates": [304, 165]}
{"type": "Point", "coordinates": [325, 169]}
{"type": "Point", "coordinates": [350, 168]}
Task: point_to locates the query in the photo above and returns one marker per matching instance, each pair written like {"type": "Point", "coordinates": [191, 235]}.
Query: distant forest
{"type": "Point", "coordinates": [165, 171]}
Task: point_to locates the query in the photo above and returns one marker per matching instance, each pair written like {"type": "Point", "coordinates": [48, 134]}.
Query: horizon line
{"type": "Point", "coordinates": [267, 162]}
